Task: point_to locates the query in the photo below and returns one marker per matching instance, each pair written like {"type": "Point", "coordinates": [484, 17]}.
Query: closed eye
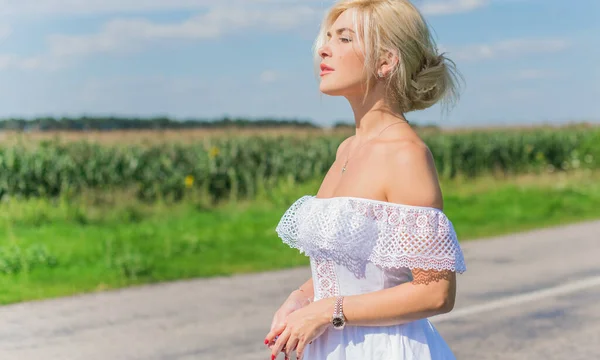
{"type": "Point", "coordinates": [341, 31]}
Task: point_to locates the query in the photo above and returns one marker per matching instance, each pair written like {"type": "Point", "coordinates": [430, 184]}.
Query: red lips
{"type": "Point", "coordinates": [325, 69]}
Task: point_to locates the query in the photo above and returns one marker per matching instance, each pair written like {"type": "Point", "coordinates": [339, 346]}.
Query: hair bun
{"type": "Point", "coordinates": [429, 83]}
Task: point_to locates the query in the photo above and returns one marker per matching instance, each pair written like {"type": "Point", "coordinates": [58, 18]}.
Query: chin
{"type": "Point", "coordinates": [331, 90]}
{"type": "Point", "coordinates": [328, 87]}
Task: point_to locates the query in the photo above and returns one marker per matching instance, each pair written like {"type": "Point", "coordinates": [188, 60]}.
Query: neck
{"type": "Point", "coordinates": [373, 114]}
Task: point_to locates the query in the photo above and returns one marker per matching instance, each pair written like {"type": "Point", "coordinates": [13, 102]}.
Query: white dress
{"type": "Point", "coordinates": [359, 245]}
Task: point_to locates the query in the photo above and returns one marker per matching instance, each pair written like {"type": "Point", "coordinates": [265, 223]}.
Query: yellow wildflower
{"type": "Point", "coordinates": [189, 181]}
{"type": "Point", "coordinates": [214, 151]}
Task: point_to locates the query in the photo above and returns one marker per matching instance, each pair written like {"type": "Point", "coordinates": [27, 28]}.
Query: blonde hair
{"type": "Point", "coordinates": [422, 77]}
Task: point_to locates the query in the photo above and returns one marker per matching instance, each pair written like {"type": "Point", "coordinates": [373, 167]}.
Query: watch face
{"type": "Point", "coordinates": [337, 322]}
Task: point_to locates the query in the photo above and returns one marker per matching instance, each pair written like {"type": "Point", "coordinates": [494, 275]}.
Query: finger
{"type": "Point", "coordinates": [290, 345]}
{"type": "Point", "coordinates": [275, 331]}
{"type": "Point", "coordinates": [281, 341]}
{"type": "Point", "coordinates": [272, 344]}
{"type": "Point", "coordinates": [300, 350]}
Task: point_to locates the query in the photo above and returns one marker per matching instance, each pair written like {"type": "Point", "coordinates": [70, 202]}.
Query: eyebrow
{"type": "Point", "coordinates": [340, 30]}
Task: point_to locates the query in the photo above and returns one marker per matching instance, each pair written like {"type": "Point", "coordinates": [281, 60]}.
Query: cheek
{"type": "Point", "coordinates": [352, 62]}
{"type": "Point", "coordinates": [349, 75]}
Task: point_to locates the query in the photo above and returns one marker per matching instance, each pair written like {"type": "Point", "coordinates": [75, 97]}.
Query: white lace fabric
{"type": "Point", "coordinates": [354, 231]}
{"type": "Point", "coordinates": [327, 284]}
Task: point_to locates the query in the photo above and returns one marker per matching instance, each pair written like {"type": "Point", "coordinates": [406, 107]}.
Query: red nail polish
{"type": "Point", "coordinates": [272, 357]}
{"type": "Point", "coordinates": [266, 341]}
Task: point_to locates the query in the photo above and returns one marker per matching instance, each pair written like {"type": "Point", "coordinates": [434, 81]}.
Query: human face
{"type": "Point", "coordinates": [342, 64]}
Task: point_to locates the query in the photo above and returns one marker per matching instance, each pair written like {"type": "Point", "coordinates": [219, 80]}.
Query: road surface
{"type": "Point", "coordinates": [533, 295]}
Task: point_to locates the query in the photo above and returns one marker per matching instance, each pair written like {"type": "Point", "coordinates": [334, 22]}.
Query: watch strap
{"type": "Point", "coordinates": [339, 306]}
{"type": "Point", "coordinates": [338, 313]}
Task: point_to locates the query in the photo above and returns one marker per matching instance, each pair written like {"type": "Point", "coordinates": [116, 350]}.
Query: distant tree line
{"type": "Point", "coordinates": [86, 123]}
{"type": "Point", "coordinates": [119, 123]}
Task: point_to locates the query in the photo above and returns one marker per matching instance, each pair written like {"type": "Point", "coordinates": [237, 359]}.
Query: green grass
{"type": "Point", "coordinates": [56, 249]}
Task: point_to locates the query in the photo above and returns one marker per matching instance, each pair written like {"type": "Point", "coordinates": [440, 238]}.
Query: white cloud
{"type": "Point", "coordinates": [133, 34]}
{"type": "Point", "coordinates": [507, 49]}
{"type": "Point", "coordinates": [5, 31]}
{"type": "Point", "coordinates": [96, 7]}
{"type": "Point", "coordinates": [81, 7]}
{"type": "Point", "coordinates": [6, 61]}
{"type": "Point", "coordinates": [522, 94]}
{"type": "Point", "coordinates": [534, 74]}
{"type": "Point", "coordinates": [518, 77]}
{"type": "Point", "coordinates": [445, 7]}
{"type": "Point", "coordinates": [269, 76]}
{"type": "Point", "coordinates": [15, 62]}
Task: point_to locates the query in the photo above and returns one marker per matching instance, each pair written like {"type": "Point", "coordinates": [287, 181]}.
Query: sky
{"type": "Point", "coordinates": [524, 62]}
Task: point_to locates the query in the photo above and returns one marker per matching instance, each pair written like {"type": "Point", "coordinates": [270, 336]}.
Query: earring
{"type": "Point", "coordinates": [380, 75]}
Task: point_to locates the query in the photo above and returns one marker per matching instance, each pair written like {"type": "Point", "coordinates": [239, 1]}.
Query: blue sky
{"type": "Point", "coordinates": [524, 61]}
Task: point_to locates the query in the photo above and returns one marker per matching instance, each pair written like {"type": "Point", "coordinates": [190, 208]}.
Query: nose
{"type": "Point", "coordinates": [324, 51]}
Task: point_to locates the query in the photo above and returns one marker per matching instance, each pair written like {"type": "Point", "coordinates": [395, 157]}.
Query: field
{"type": "Point", "coordinates": [194, 135]}
{"type": "Point", "coordinates": [74, 218]}
{"type": "Point", "coordinates": [227, 168]}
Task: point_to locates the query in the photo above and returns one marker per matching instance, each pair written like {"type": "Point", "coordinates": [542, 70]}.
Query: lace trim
{"type": "Point", "coordinates": [327, 280]}
{"type": "Point", "coordinates": [354, 231]}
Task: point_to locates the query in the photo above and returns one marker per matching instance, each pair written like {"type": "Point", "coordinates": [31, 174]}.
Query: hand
{"type": "Point", "coordinates": [295, 301]}
{"type": "Point", "coordinates": [302, 327]}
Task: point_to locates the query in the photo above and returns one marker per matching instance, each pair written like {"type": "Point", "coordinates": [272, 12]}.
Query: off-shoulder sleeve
{"type": "Point", "coordinates": [354, 232]}
{"type": "Point", "coordinates": [288, 227]}
{"type": "Point", "coordinates": [422, 238]}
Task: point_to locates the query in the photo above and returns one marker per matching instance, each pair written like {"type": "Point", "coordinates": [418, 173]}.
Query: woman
{"type": "Point", "coordinates": [383, 254]}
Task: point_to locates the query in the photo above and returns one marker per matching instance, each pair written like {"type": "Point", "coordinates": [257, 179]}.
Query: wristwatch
{"type": "Point", "coordinates": [338, 320]}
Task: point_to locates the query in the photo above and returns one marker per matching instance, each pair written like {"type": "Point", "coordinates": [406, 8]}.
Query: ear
{"type": "Point", "coordinates": [388, 62]}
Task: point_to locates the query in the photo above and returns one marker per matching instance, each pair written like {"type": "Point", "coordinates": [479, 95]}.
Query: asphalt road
{"type": "Point", "coordinates": [531, 296]}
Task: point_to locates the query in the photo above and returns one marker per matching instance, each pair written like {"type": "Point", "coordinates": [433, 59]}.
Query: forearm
{"type": "Point", "coordinates": [397, 305]}
{"type": "Point", "coordinates": [308, 289]}
{"type": "Point", "coordinates": [305, 290]}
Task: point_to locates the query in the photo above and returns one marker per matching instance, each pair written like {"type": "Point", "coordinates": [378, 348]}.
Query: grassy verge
{"type": "Point", "coordinates": [56, 249]}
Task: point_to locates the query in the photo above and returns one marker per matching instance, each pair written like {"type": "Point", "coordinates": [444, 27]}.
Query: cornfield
{"type": "Point", "coordinates": [235, 167]}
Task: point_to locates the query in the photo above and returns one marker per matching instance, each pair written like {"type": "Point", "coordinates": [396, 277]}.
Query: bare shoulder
{"type": "Point", "coordinates": [342, 146]}
{"type": "Point", "coordinates": [411, 176]}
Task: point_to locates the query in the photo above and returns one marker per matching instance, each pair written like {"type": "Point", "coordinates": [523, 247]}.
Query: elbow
{"type": "Point", "coordinates": [444, 303]}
